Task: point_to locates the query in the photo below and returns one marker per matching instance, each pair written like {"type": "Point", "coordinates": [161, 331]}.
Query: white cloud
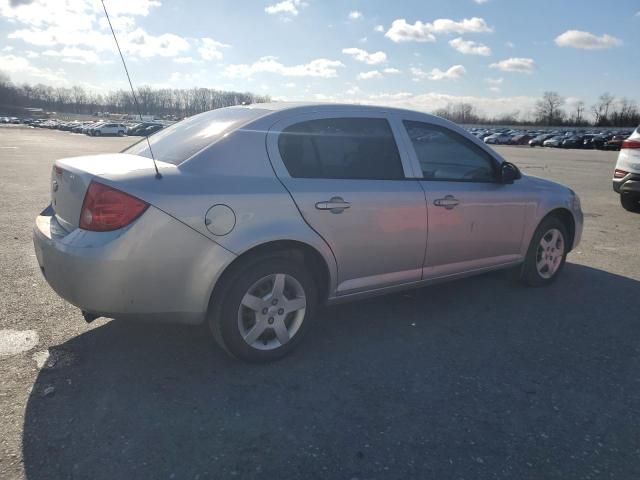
{"type": "Point", "coordinates": [321, 67]}
{"type": "Point", "coordinates": [142, 44]}
{"type": "Point", "coordinates": [510, 45]}
{"type": "Point", "coordinates": [379, 28]}
{"type": "Point", "coordinates": [494, 81]}
{"type": "Point", "coordinates": [519, 65]}
{"type": "Point", "coordinates": [469, 47]}
{"type": "Point", "coordinates": [185, 60]}
{"type": "Point", "coordinates": [401, 31]}
{"type": "Point", "coordinates": [210, 49]}
{"type": "Point", "coordinates": [74, 55]}
{"type": "Point", "coordinates": [480, 2]}
{"type": "Point", "coordinates": [22, 70]}
{"type": "Point", "coordinates": [290, 85]}
{"type": "Point", "coordinates": [453, 73]}
{"type": "Point", "coordinates": [355, 15]}
{"type": "Point", "coordinates": [586, 40]}
{"type": "Point", "coordinates": [369, 75]}
{"type": "Point", "coordinates": [290, 8]}
{"type": "Point", "coordinates": [361, 55]}
{"type": "Point", "coordinates": [495, 89]}
{"type": "Point", "coordinates": [81, 24]}
{"type": "Point", "coordinates": [378, 73]}
{"type": "Point", "coordinates": [31, 54]}
{"type": "Point", "coordinates": [8, 48]}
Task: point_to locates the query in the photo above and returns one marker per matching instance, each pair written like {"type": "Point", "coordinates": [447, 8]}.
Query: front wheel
{"type": "Point", "coordinates": [546, 254]}
{"type": "Point", "coordinates": [631, 203]}
{"type": "Point", "coordinates": [263, 310]}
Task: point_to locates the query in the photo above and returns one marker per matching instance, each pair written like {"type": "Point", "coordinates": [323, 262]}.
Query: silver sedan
{"type": "Point", "coordinates": [259, 214]}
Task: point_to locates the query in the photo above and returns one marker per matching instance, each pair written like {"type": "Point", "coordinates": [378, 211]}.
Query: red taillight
{"type": "Point", "coordinates": [619, 173]}
{"type": "Point", "coordinates": [105, 208]}
{"type": "Point", "coordinates": [628, 143]}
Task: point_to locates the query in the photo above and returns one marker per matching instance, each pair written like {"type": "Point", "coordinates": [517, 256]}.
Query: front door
{"type": "Point", "coordinates": [347, 178]}
{"type": "Point", "coordinates": [474, 220]}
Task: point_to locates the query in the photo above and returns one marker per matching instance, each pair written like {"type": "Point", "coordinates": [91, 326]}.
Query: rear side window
{"type": "Point", "coordinates": [341, 148]}
{"type": "Point", "coordinates": [182, 140]}
{"type": "Point", "coordinates": [447, 156]}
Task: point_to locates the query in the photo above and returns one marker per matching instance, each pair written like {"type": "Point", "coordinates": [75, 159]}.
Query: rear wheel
{"type": "Point", "coordinates": [264, 309]}
{"type": "Point", "coordinates": [546, 254]}
{"type": "Point", "coordinates": [120, 133]}
{"type": "Point", "coordinates": [630, 203]}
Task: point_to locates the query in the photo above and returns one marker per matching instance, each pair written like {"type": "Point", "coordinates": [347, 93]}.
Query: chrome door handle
{"type": "Point", "coordinates": [447, 202]}
{"type": "Point", "coordinates": [334, 205]}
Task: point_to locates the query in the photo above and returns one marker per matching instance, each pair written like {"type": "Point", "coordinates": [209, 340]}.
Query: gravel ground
{"type": "Point", "coordinates": [474, 379]}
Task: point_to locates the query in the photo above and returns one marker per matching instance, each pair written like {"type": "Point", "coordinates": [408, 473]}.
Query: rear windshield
{"type": "Point", "coordinates": [182, 140]}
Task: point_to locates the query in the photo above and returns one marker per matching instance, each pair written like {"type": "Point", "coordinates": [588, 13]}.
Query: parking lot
{"type": "Point", "coordinates": [474, 379]}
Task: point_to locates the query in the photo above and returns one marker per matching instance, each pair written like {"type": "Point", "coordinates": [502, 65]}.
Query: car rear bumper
{"type": "Point", "coordinates": [155, 269]}
{"type": "Point", "coordinates": [627, 184]}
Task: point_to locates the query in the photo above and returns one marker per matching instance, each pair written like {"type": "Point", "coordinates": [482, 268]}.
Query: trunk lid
{"type": "Point", "coordinates": [70, 178]}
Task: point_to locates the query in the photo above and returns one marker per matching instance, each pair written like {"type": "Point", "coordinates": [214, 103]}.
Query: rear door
{"type": "Point", "coordinates": [348, 179]}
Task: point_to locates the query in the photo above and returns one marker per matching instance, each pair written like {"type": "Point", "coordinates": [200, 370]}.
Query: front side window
{"type": "Point", "coordinates": [445, 155]}
{"type": "Point", "coordinates": [341, 148]}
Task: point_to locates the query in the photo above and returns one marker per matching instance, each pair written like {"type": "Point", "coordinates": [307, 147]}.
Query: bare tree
{"type": "Point", "coordinates": [579, 111]}
{"type": "Point", "coordinates": [601, 108]}
{"type": "Point", "coordinates": [549, 109]}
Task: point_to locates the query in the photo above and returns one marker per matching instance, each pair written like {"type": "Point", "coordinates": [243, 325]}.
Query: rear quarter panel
{"type": "Point", "coordinates": [235, 172]}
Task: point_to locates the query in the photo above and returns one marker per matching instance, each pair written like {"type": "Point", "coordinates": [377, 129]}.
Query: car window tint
{"type": "Point", "coordinates": [348, 148]}
{"type": "Point", "coordinates": [446, 155]}
{"type": "Point", "coordinates": [182, 140]}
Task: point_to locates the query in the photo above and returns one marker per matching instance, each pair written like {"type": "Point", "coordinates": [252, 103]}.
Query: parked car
{"type": "Point", "coordinates": [498, 139]}
{"type": "Point", "coordinates": [92, 127]}
{"type": "Point", "coordinates": [626, 176]}
{"type": "Point", "coordinates": [615, 143]}
{"type": "Point", "coordinates": [151, 129]}
{"type": "Point", "coordinates": [537, 141]}
{"type": "Point", "coordinates": [265, 212]}
{"type": "Point", "coordinates": [142, 128]}
{"type": "Point", "coordinates": [520, 139]}
{"type": "Point", "coordinates": [109, 129]}
{"type": "Point", "coordinates": [554, 141]}
{"type": "Point", "coordinates": [574, 141]}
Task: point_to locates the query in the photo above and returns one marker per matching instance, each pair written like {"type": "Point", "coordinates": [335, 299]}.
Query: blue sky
{"type": "Point", "coordinates": [498, 54]}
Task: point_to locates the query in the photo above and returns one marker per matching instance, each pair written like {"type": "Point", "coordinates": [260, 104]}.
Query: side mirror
{"type": "Point", "coordinates": [509, 173]}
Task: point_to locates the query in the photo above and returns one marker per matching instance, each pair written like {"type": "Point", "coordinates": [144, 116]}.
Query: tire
{"type": "Point", "coordinates": [556, 253]}
{"type": "Point", "coordinates": [231, 321]}
{"type": "Point", "coordinates": [96, 133]}
{"type": "Point", "coordinates": [120, 133]}
{"type": "Point", "coordinates": [631, 203]}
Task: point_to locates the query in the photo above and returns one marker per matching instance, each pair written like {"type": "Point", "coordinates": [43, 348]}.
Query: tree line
{"type": "Point", "coordinates": [160, 102]}
{"type": "Point", "coordinates": [552, 110]}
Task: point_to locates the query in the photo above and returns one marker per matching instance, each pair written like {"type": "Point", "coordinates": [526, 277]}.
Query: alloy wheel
{"type": "Point", "coordinates": [271, 311]}
{"type": "Point", "coordinates": [550, 253]}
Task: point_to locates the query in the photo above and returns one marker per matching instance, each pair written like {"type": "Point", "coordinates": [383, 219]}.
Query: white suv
{"type": "Point", "coordinates": [110, 129]}
{"type": "Point", "coordinates": [626, 176]}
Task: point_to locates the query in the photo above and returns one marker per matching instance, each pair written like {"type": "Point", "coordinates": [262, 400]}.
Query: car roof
{"type": "Point", "coordinates": [301, 107]}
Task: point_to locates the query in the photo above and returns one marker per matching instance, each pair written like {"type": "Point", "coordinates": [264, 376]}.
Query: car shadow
{"type": "Point", "coordinates": [478, 378]}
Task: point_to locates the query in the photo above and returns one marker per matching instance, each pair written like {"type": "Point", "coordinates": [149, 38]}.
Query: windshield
{"type": "Point", "coordinates": [182, 140]}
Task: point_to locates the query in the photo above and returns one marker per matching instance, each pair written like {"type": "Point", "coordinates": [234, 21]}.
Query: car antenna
{"type": "Point", "coordinates": [135, 100]}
